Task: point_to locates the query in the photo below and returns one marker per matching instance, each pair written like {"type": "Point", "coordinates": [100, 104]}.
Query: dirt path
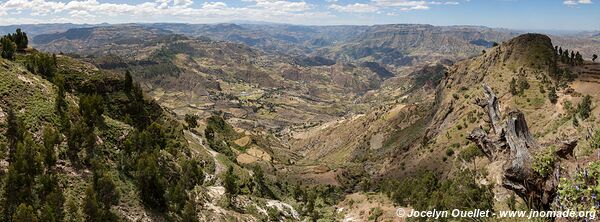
{"type": "Point", "coordinates": [219, 167]}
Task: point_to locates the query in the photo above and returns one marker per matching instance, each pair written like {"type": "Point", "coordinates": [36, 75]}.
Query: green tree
{"type": "Point", "coordinates": [52, 210]}
{"type": "Point", "coordinates": [191, 120]}
{"type": "Point", "coordinates": [177, 196]}
{"type": "Point", "coordinates": [106, 191]}
{"type": "Point", "coordinates": [192, 174]}
{"type": "Point", "coordinates": [14, 132]}
{"type": "Point", "coordinates": [20, 179]}
{"type": "Point", "coordinates": [8, 48]}
{"type": "Point", "coordinates": [54, 60]}
{"type": "Point", "coordinates": [261, 188]}
{"type": "Point", "coordinates": [91, 108]}
{"type": "Point", "coordinates": [150, 181]}
{"type": "Point", "coordinates": [44, 65]}
{"type": "Point", "coordinates": [552, 95]}
{"type": "Point", "coordinates": [20, 39]}
{"type": "Point", "coordinates": [24, 213]}
{"type": "Point", "coordinates": [189, 212]}
{"type": "Point", "coordinates": [560, 51]}
{"type": "Point", "coordinates": [230, 182]}
{"type": "Point", "coordinates": [77, 134]}
{"type": "Point", "coordinates": [523, 85]}
{"type": "Point", "coordinates": [50, 138]}
{"type": "Point", "coordinates": [60, 102]}
{"type": "Point", "coordinates": [217, 134]}
{"type": "Point", "coordinates": [90, 205]}
{"type": "Point", "coordinates": [512, 202]}
{"type": "Point", "coordinates": [585, 107]}
{"type": "Point", "coordinates": [51, 197]}
{"type": "Point", "coordinates": [128, 81]}
{"type": "Point", "coordinates": [513, 87]}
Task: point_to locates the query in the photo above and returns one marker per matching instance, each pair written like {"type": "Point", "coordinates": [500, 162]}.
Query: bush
{"type": "Point", "coordinates": [150, 181]}
{"type": "Point", "coordinates": [8, 48]}
{"type": "Point", "coordinates": [513, 87]}
{"type": "Point", "coordinates": [424, 191]}
{"type": "Point", "coordinates": [191, 120]}
{"type": "Point", "coordinates": [192, 174]}
{"type": "Point", "coordinates": [585, 107]}
{"type": "Point", "coordinates": [595, 140]}
{"type": "Point", "coordinates": [106, 191]}
{"type": "Point", "coordinates": [470, 153]}
{"type": "Point", "coordinates": [552, 95]}
{"type": "Point", "coordinates": [449, 152]}
{"type": "Point", "coordinates": [230, 182]}
{"type": "Point", "coordinates": [24, 213]}
{"type": "Point", "coordinates": [50, 138]}
{"type": "Point", "coordinates": [42, 64]}
{"type": "Point", "coordinates": [91, 108]}
{"type": "Point", "coordinates": [581, 190]}
{"type": "Point", "coordinates": [543, 163]}
{"type": "Point", "coordinates": [218, 135]}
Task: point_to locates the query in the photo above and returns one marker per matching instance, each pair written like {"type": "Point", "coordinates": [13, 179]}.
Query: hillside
{"type": "Point", "coordinates": [81, 143]}
{"type": "Point", "coordinates": [197, 75]}
{"type": "Point", "coordinates": [158, 122]}
{"type": "Point", "coordinates": [523, 73]}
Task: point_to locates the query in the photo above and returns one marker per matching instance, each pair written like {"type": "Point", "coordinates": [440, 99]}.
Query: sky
{"type": "Point", "coordinates": [573, 15]}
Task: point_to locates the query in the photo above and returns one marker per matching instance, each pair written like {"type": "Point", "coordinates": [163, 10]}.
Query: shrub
{"type": "Point", "coordinates": [91, 107]}
{"type": "Point", "coordinates": [595, 140]}
{"type": "Point", "coordinates": [191, 120]}
{"type": "Point", "coordinates": [513, 87]}
{"type": "Point", "coordinates": [552, 95]}
{"type": "Point", "coordinates": [150, 181]}
{"type": "Point", "coordinates": [544, 162]}
{"type": "Point", "coordinates": [42, 64]}
{"type": "Point", "coordinates": [424, 191]}
{"type": "Point", "coordinates": [8, 48]}
{"type": "Point", "coordinates": [470, 153]}
{"type": "Point", "coordinates": [585, 107]}
{"type": "Point", "coordinates": [581, 190]}
{"type": "Point", "coordinates": [218, 134]}
{"type": "Point", "coordinates": [449, 152]}
{"type": "Point", "coordinates": [24, 213]}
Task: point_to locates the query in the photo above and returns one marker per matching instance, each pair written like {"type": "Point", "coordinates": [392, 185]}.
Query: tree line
{"type": "Point", "coordinates": [12, 43]}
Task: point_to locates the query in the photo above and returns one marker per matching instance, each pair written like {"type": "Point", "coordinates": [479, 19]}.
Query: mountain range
{"type": "Point", "coordinates": [255, 122]}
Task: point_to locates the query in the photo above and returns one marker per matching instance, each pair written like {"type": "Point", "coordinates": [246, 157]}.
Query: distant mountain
{"type": "Point", "coordinates": [37, 29]}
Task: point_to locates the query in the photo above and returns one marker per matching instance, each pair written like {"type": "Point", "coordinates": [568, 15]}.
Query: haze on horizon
{"type": "Point", "coordinates": [572, 15]}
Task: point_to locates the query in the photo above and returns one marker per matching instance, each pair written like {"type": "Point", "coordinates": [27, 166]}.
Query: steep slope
{"type": "Point", "coordinates": [523, 73]}
{"type": "Point", "coordinates": [79, 142]}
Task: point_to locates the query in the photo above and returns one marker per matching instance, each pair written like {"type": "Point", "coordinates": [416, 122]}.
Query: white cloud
{"type": "Point", "coordinates": [356, 7]}
{"type": "Point", "coordinates": [282, 6]}
{"type": "Point", "coordinates": [284, 11]}
{"type": "Point", "coordinates": [400, 3]}
{"type": "Point", "coordinates": [93, 11]}
{"type": "Point", "coordinates": [576, 2]}
{"type": "Point", "coordinates": [393, 5]}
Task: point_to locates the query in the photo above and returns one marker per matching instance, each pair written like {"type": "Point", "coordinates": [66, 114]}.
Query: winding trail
{"type": "Point", "coordinates": [219, 167]}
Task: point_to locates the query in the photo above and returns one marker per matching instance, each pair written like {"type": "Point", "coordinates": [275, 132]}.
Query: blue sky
{"type": "Point", "coordinates": [514, 14]}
